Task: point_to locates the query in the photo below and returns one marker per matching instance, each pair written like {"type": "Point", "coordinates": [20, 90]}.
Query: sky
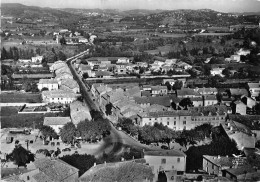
{"type": "Point", "coordinates": [218, 5]}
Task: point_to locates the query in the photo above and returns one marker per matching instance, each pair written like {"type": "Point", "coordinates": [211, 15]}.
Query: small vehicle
{"type": "Point", "coordinates": [66, 149]}
{"type": "Point", "coordinates": [164, 147]}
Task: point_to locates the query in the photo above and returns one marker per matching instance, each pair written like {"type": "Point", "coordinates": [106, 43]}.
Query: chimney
{"type": "Point", "coordinates": [218, 156]}
{"type": "Point", "coordinates": [95, 164]}
{"type": "Point", "coordinates": [105, 162]}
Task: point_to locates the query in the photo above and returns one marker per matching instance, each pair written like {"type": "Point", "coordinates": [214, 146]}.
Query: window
{"type": "Point", "coordinates": [28, 177]}
{"type": "Point", "coordinates": [174, 122]}
{"type": "Point", "coordinates": [168, 123]}
{"type": "Point", "coordinates": [184, 117]}
{"type": "Point", "coordinates": [163, 161]}
{"type": "Point", "coordinates": [184, 122]}
{"type": "Point", "coordinates": [178, 160]}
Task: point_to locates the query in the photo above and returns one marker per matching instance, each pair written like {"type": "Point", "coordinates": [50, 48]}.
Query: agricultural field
{"type": "Point", "coordinates": [20, 98]}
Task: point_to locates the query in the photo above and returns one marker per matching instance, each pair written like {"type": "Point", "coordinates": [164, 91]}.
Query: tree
{"type": "Point", "coordinates": [169, 87]}
{"type": "Point", "coordinates": [177, 85]}
{"type": "Point", "coordinates": [186, 102]}
{"type": "Point", "coordinates": [4, 54]}
{"type": "Point", "coordinates": [109, 109]}
{"type": "Point", "coordinates": [20, 156]}
{"type": "Point", "coordinates": [63, 41]}
{"type": "Point", "coordinates": [48, 131]}
{"type": "Point", "coordinates": [61, 56]}
{"type": "Point", "coordinates": [83, 162]}
{"type": "Point", "coordinates": [68, 132]}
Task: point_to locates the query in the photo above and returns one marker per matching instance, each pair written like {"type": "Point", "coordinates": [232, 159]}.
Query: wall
{"type": "Point", "coordinates": [209, 167]}
{"type": "Point", "coordinates": [171, 163]}
{"type": "Point", "coordinates": [22, 104]}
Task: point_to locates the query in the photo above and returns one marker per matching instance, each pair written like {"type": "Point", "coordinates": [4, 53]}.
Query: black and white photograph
{"type": "Point", "coordinates": [130, 90]}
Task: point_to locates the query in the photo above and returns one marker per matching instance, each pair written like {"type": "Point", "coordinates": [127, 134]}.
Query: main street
{"type": "Point", "coordinates": [117, 141]}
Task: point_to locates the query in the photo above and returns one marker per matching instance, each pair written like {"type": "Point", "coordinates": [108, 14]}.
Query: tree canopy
{"type": "Point", "coordinates": [48, 131]}
{"type": "Point", "coordinates": [68, 132]}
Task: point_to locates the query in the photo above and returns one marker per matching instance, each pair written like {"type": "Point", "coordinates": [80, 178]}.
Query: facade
{"type": "Point", "coordinates": [217, 71]}
{"type": "Point", "coordinates": [239, 107]}
{"type": "Point", "coordinates": [59, 96]}
{"type": "Point", "coordinates": [210, 100]}
{"type": "Point", "coordinates": [254, 89]}
{"type": "Point", "coordinates": [50, 84]}
{"type": "Point", "coordinates": [197, 101]}
{"type": "Point", "coordinates": [187, 93]}
{"type": "Point", "coordinates": [56, 122]}
{"type": "Point", "coordinates": [79, 112]}
{"type": "Point", "coordinates": [159, 90]}
{"type": "Point", "coordinates": [37, 59]}
{"type": "Point", "coordinates": [120, 69]}
{"type": "Point", "coordinates": [166, 160]}
{"type": "Point", "coordinates": [235, 58]}
{"type": "Point", "coordinates": [185, 119]}
{"type": "Point", "coordinates": [206, 91]}
{"type": "Point", "coordinates": [123, 60]}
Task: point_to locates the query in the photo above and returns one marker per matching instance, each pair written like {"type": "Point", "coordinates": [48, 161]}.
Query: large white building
{"type": "Point", "coordinates": [254, 89]}
{"type": "Point", "coordinates": [166, 160]}
{"type": "Point", "coordinates": [59, 96]}
{"type": "Point", "coordinates": [50, 84]}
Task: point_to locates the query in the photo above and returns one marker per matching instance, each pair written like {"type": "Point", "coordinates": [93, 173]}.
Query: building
{"type": "Point", "coordinates": [85, 69]}
{"type": "Point", "coordinates": [217, 71]}
{"type": "Point", "coordinates": [50, 84]}
{"type": "Point", "coordinates": [238, 92]}
{"type": "Point", "coordinates": [56, 122]}
{"type": "Point", "coordinates": [103, 74]}
{"type": "Point", "coordinates": [243, 173]}
{"type": "Point", "coordinates": [235, 58]}
{"type": "Point", "coordinates": [123, 60]}
{"type": "Point", "coordinates": [119, 171]}
{"type": "Point", "coordinates": [69, 85]}
{"type": "Point", "coordinates": [121, 69]}
{"type": "Point", "coordinates": [59, 96]}
{"type": "Point", "coordinates": [215, 164]}
{"type": "Point", "coordinates": [57, 65]}
{"type": "Point", "coordinates": [239, 108]}
{"type": "Point", "coordinates": [254, 89]}
{"type": "Point", "coordinates": [187, 93]}
{"type": "Point", "coordinates": [210, 100]}
{"type": "Point", "coordinates": [37, 59]}
{"type": "Point", "coordinates": [206, 91]}
{"type": "Point", "coordinates": [185, 119]}
{"type": "Point", "coordinates": [197, 101]}
{"type": "Point", "coordinates": [159, 90]}
{"type": "Point", "coordinates": [166, 160]}
{"type": "Point", "coordinates": [79, 111]}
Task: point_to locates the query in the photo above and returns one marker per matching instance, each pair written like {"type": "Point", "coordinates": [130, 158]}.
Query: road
{"type": "Point", "coordinates": [117, 141]}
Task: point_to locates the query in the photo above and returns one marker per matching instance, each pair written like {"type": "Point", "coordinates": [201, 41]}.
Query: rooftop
{"type": "Point", "coordinates": [59, 94]}
{"type": "Point", "coordinates": [254, 85]}
{"type": "Point", "coordinates": [161, 100]}
{"type": "Point", "coordinates": [56, 120]}
{"type": "Point", "coordinates": [175, 153]}
{"type": "Point", "coordinates": [48, 81]}
{"type": "Point", "coordinates": [187, 91]}
{"type": "Point", "coordinates": [221, 161]}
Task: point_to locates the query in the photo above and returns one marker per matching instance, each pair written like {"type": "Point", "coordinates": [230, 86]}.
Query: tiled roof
{"type": "Point", "coordinates": [59, 94]}
{"type": "Point", "coordinates": [70, 83]}
{"type": "Point", "coordinates": [56, 120]}
{"type": "Point", "coordinates": [210, 97]}
{"type": "Point", "coordinates": [253, 85]}
{"type": "Point", "coordinates": [103, 73]}
{"type": "Point", "coordinates": [103, 88]}
{"type": "Point", "coordinates": [159, 88]}
{"type": "Point", "coordinates": [174, 153]}
{"type": "Point", "coordinates": [187, 91]}
{"type": "Point", "coordinates": [213, 110]}
{"type": "Point", "coordinates": [84, 67]}
{"type": "Point", "coordinates": [196, 99]}
{"type": "Point", "coordinates": [79, 112]}
{"type": "Point", "coordinates": [119, 171]}
{"type": "Point", "coordinates": [201, 90]}
{"type": "Point", "coordinates": [133, 91]}
{"type": "Point", "coordinates": [237, 91]}
{"type": "Point", "coordinates": [161, 100]}
{"type": "Point", "coordinates": [222, 161]}
{"type": "Point", "coordinates": [56, 170]}
{"type": "Point", "coordinates": [146, 94]}
{"type": "Point", "coordinates": [48, 81]}
{"type": "Point", "coordinates": [42, 177]}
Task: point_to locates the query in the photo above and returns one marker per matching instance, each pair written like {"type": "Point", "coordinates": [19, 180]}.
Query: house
{"type": "Point", "coordinates": [37, 59]}
{"type": "Point", "coordinates": [254, 89]}
{"type": "Point", "coordinates": [238, 92]}
{"type": "Point", "coordinates": [57, 65]}
{"type": "Point", "coordinates": [159, 90]}
{"type": "Point", "coordinates": [85, 69]}
{"type": "Point", "coordinates": [120, 69]}
{"type": "Point", "coordinates": [217, 71]}
{"type": "Point", "coordinates": [183, 65]}
{"type": "Point", "coordinates": [239, 108]}
{"type": "Point", "coordinates": [50, 84]}
{"type": "Point", "coordinates": [64, 75]}
{"type": "Point", "coordinates": [135, 170]}
{"type": "Point", "coordinates": [142, 64]}
{"type": "Point", "coordinates": [172, 81]}
{"type": "Point", "coordinates": [170, 61]}
{"type": "Point", "coordinates": [210, 100]}
{"type": "Point", "coordinates": [243, 173]}
{"type": "Point", "coordinates": [56, 122]}
{"type": "Point", "coordinates": [215, 164]}
{"type": "Point", "coordinates": [197, 101]}
{"type": "Point", "coordinates": [187, 93]}
{"type": "Point", "coordinates": [185, 119]}
{"type": "Point", "coordinates": [166, 160]}
{"type": "Point", "coordinates": [55, 170]}
{"type": "Point", "coordinates": [103, 74]}
{"type": "Point", "coordinates": [123, 60]}
{"type": "Point", "coordinates": [148, 101]}
{"type": "Point", "coordinates": [69, 85]}
{"type": "Point", "coordinates": [206, 91]}
{"type": "Point", "coordinates": [240, 133]}
{"type": "Point", "coordinates": [79, 111]}
{"type": "Point", "coordinates": [248, 101]}
{"type": "Point", "coordinates": [17, 174]}
{"type": "Point", "coordinates": [58, 96]}
{"type": "Point", "coordinates": [235, 58]}
{"type": "Point", "coordinates": [25, 60]}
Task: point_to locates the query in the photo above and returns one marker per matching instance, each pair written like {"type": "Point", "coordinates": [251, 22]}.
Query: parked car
{"type": "Point", "coordinates": [164, 147]}
{"type": "Point", "coordinates": [66, 149]}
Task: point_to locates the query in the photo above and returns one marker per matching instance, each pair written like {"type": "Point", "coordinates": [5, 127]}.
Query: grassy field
{"type": "Point", "coordinates": [20, 98]}
{"type": "Point", "coordinates": [11, 119]}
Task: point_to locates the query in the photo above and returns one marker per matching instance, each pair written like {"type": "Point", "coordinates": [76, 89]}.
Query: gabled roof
{"type": "Point", "coordinates": [238, 91]}
{"type": "Point", "coordinates": [187, 91]}
{"type": "Point", "coordinates": [173, 153]}
{"type": "Point", "coordinates": [59, 94]}
{"type": "Point", "coordinates": [103, 73]}
{"type": "Point", "coordinates": [70, 83]}
{"type": "Point", "coordinates": [222, 161]}
{"type": "Point", "coordinates": [161, 100]}
{"type": "Point", "coordinates": [253, 85]}
{"type": "Point", "coordinates": [54, 169]}
{"type": "Point", "coordinates": [48, 81]}
{"type": "Point", "coordinates": [210, 97]}
{"type": "Point", "coordinates": [56, 121]}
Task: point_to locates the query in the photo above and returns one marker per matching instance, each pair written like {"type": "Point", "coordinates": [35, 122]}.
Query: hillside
{"type": "Point", "coordinates": [31, 12]}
